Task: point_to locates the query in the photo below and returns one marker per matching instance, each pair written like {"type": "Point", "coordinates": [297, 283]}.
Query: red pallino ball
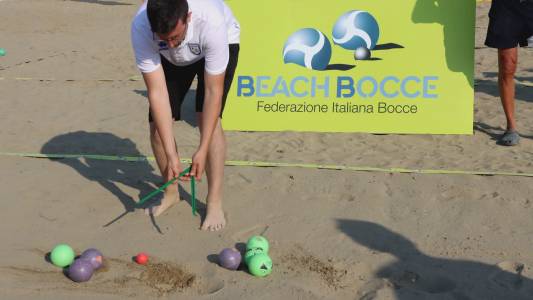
{"type": "Point", "coordinates": [141, 258]}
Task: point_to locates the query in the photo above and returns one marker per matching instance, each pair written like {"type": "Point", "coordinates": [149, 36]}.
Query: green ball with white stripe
{"type": "Point", "coordinates": [251, 252]}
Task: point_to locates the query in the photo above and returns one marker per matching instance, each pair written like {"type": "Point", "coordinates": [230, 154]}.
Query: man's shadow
{"type": "Point", "coordinates": [138, 175]}
{"type": "Point", "coordinates": [456, 36]}
{"type": "Point", "coordinates": [415, 275]}
{"type": "Point", "coordinates": [494, 132]}
{"type": "Point", "coordinates": [489, 86]}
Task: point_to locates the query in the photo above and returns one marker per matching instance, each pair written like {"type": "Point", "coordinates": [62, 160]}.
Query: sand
{"type": "Point", "coordinates": [333, 234]}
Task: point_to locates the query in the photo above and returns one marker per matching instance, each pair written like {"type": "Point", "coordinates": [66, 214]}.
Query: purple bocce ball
{"type": "Point", "coordinates": [94, 256]}
{"type": "Point", "coordinates": [80, 270]}
{"type": "Point", "coordinates": [230, 258]}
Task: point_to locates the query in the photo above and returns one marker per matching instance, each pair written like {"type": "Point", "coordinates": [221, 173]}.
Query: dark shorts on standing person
{"type": "Point", "coordinates": [510, 23]}
{"type": "Point", "coordinates": [179, 80]}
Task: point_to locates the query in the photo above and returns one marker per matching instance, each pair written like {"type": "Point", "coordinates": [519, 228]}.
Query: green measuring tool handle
{"type": "Point", "coordinates": [164, 186]}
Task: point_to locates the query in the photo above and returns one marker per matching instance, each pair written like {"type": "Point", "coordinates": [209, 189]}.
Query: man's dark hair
{"type": "Point", "coordinates": [165, 14]}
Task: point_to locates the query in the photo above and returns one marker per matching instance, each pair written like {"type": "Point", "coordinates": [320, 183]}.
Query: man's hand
{"type": "Point", "coordinates": [173, 167]}
{"type": "Point", "coordinates": [198, 164]}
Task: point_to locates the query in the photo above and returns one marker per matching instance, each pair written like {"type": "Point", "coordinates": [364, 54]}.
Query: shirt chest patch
{"type": "Point", "coordinates": [162, 45]}
{"type": "Point", "coordinates": [195, 48]}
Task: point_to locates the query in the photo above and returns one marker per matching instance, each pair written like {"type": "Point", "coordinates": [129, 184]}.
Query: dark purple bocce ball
{"type": "Point", "coordinates": [94, 256]}
{"type": "Point", "coordinates": [230, 258]}
{"type": "Point", "coordinates": [80, 270]}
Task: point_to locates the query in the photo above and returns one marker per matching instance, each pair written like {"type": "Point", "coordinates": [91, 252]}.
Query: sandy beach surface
{"type": "Point", "coordinates": [65, 88]}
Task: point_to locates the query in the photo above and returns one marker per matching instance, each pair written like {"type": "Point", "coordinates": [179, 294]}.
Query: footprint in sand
{"type": "Point", "coordinates": [433, 284]}
{"type": "Point", "coordinates": [408, 279]}
{"type": "Point", "coordinates": [509, 275]}
{"type": "Point", "coordinates": [370, 290]}
{"type": "Point", "coordinates": [209, 282]}
{"type": "Point", "coordinates": [214, 287]}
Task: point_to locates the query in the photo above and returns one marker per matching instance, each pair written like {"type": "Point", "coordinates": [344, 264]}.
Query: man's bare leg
{"type": "Point", "coordinates": [171, 195]}
{"type": "Point", "coordinates": [507, 60]}
{"type": "Point", "coordinates": [216, 156]}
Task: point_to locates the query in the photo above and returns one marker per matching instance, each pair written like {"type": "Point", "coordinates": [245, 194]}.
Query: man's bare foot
{"type": "Point", "coordinates": [170, 198]}
{"type": "Point", "coordinates": [215, 219]}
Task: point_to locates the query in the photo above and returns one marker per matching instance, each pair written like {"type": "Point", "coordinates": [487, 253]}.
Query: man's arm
{"type": "Point", "coordinates": [162, 116]}
{"type": "Point", "coordinates": [214, 89]}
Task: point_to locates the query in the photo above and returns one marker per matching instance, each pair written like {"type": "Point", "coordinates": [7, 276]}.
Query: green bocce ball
{"type": "Point", "coordinates": [2, 51]}
{"type": "Point", "coordinates": [260, 265]}
{"type": "Point", "coordinates": [251, 252]}
{"type": "Point", "coordinates": [62, 255]}
{"type": "Point", "coordinates": [257, 241]}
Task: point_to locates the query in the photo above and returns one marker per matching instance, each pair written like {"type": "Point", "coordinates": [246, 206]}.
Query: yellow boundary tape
{"type": "Point", "coordinates": [275, 164]}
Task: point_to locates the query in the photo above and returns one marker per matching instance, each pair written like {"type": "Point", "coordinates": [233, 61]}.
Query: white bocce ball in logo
{"type": "Point", "coordinates": [362, 53]}
{"type": "Point", "coordinates": [308, 48]}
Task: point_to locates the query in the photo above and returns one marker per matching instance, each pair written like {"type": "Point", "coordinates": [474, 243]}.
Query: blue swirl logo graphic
{"type": "Point", "coordinates": [308, 48]}
{"type": "Point", "coordinates": [356, 29]}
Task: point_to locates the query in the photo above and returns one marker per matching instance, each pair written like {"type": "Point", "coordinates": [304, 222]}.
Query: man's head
{"type": "Point", "coordinates": [169, 19]}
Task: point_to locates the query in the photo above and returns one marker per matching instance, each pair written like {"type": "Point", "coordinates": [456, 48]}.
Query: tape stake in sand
{"type": "Point", "coordinates": [164, 186]}
{"type": "Point", "coordinates": [193, 195]}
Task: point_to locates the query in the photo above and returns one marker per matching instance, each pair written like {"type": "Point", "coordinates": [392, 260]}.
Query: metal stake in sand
{"type": "Point", "coordinates": [164, 186]}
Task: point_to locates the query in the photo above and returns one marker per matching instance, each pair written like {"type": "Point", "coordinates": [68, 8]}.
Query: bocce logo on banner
{"type": "Point", "coordinates": [308, 47]}
{"type": "Point", "coordinates": [357, 31]}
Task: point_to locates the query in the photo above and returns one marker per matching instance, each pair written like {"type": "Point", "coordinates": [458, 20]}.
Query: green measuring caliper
{"type": "Point", "coordinates": [164, 186]}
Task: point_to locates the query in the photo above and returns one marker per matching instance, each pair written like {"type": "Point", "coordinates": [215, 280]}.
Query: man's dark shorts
{"type": "Point", "coordinates": [179, 80]}
{"type": "Point", "coordinates": [511, 23]}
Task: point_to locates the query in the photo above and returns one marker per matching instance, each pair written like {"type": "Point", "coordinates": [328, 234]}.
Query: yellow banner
{"type": "Point", "coordinates": [381, 66]}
